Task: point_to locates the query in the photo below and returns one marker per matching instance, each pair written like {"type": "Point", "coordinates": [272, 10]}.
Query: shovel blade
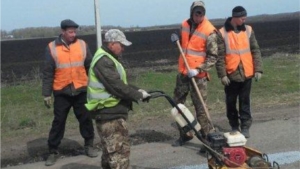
{"type": "Point", "coordinates": [174, 37]}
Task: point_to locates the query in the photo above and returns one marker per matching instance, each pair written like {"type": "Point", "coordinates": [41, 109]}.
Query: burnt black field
{"type": "Point", "coordinates": [23, 59]}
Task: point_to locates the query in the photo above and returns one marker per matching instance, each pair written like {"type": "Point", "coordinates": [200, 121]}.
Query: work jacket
{"type": "Point", "coordinates": [97, 96]}
{"type": "Point", "coordinates": [194, 46]}
{"type": "Point", "coordinates": [238, 67]}
{"type": "Point", "coordinates": [65, 68]}
{"type": "Point", "coordinates": [109, 73]}
{"type": "Point", "coordinates": [238, 51]}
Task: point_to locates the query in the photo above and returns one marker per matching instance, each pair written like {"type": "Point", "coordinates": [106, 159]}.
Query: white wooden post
{"type": "Point", "coordinates": [97, 22]}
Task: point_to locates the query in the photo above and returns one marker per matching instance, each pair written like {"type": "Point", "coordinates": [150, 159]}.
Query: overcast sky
{"type": "Point", "coordinates": [126, 13]}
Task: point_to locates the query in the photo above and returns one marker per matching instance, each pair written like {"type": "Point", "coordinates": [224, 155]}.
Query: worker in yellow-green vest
{"type": "Point", "coordinates": [110, 98]}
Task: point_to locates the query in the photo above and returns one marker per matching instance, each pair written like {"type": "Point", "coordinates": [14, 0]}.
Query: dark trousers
{"type": "Point", "coordinates": [241, 91]}
{"type": "Point", "coordinates": [62, 106]}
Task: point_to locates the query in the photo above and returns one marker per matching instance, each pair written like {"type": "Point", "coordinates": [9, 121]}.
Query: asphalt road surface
{"type": "Point", "coordinates": [277, 135]}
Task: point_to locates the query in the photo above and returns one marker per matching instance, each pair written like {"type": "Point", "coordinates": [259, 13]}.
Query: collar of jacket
{"type": "Point", "coordinates": [192, 24]}
{"type": "Point", "coordinates": [229, 27]}
{"type": "Point", "coordinates": [110, 52]}
{"type": "Point", "coordinates": [58, 40]}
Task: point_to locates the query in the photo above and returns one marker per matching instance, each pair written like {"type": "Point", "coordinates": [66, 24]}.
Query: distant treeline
{"type": "Point", "coordinates": [44, 32]}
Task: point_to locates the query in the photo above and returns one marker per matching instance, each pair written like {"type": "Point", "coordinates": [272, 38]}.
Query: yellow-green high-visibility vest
{"type": "Point", "coordinates": [97, 96]}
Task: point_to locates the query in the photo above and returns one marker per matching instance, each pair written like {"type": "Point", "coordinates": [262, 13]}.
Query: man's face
{"type": "Point", "coordinates": [116, 47]}
{"type": "Point", "coordinates": [69, 34]}
{"type": "Point", "coordinates": [198, 17]}
{"type": "Point", "coordinates": [240, 20]}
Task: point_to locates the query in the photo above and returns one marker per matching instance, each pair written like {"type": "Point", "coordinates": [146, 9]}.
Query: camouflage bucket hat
{"type": "Point", "coordinates": [115, 35]}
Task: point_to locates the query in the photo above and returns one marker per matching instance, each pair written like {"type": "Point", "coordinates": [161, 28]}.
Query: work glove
{"type": "Point", "coordinates": [145, 94]}
{"type": "Point", "coordinates": [192, 72]}
{"type": "Point", "coordinates": [48, 101]}
{"type": "Point", "coordinates": [142, 90]}
{"type": "Point", "coordinates": [225, 81]}
{"type": "Point", "coordinates": [257, 76]}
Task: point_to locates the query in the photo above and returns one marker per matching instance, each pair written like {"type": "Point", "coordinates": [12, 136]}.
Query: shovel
{"type": "Point", "coordinates": [174, 38]}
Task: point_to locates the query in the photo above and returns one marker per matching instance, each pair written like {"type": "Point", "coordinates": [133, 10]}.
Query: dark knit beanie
{"type": "Point", "coordinates": [239, 11]}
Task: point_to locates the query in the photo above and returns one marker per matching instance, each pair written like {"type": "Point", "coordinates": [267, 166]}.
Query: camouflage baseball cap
{"type": "Point", "coordinates": [197, 6]}
{"type": "Point", "coordinates": [115, 35]}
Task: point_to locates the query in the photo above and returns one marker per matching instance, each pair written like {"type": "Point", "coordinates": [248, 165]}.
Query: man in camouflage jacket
{"type": "Point", "coordinates": [110, 98]}
{"type": "Point", "coordinates": [183, 82]}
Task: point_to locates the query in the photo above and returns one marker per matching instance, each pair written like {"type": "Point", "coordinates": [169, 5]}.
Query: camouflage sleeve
{"type": "Point", "coordinates": [256, 54]}
{"type": "Point", "coordinates": [211, 52]}
{"type": "Point", "coordinates": [220, 65]}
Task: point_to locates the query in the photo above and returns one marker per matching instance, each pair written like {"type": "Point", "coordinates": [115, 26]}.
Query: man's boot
{"type": "Point", "coordinates": [181, 140]}
{"type": "Point", "coordinates": [245, 132]}
{"type": "Point", "coordinates": [235, 129]}
{"type": "Point", "coordinates": [235, 125]}
{"type": "Point", "coordinates": [245, 126]}
{"type": "Point", "coordinates": [89, 149]}
{"type": "Point", "coordinates": [53, 156]}
{"type": "Point", "coordinates": [183, 137]}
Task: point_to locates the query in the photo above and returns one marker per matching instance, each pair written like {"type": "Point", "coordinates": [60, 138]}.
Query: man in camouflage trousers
{"type": "Point", "coordinates": [236, 68]}
{"type": "Point", "coordinates": [110, 98]}
{"type": "Point", "coordinates": [199, 41]}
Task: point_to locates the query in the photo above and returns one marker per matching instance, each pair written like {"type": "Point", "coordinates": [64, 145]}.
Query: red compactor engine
{"type": "Point", "coordinates": [231, 146]}
{"type": "Point", "coordinates": [235, 156]}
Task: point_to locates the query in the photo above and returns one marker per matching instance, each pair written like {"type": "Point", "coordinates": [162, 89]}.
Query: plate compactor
{"type": "Point", "coordinates": [224, 150]}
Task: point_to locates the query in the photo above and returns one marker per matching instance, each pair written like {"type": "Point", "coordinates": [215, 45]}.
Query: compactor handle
{"type": "Point", "coordinates": [158, 93]}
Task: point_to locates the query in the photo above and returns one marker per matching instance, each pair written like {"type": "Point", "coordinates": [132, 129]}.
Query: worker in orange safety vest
{"type": "Point", "coordinates": [199, 42]}
{"type": "Point", "coordinates": [236, 68]}
{"type": "Point", "coordinates": [67, 60]}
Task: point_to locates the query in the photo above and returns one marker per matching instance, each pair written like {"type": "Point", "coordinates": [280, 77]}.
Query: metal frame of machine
{"type": "Point", "coordinates": [218, 156]}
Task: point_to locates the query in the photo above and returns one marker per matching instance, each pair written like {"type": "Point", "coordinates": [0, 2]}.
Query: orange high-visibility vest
{"type": "Point", "coordinates": [238, 50]}
{"type": "Point", "coordinates": [69, 64]}
{"type": "Point", "coordinates": [194, 48]}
